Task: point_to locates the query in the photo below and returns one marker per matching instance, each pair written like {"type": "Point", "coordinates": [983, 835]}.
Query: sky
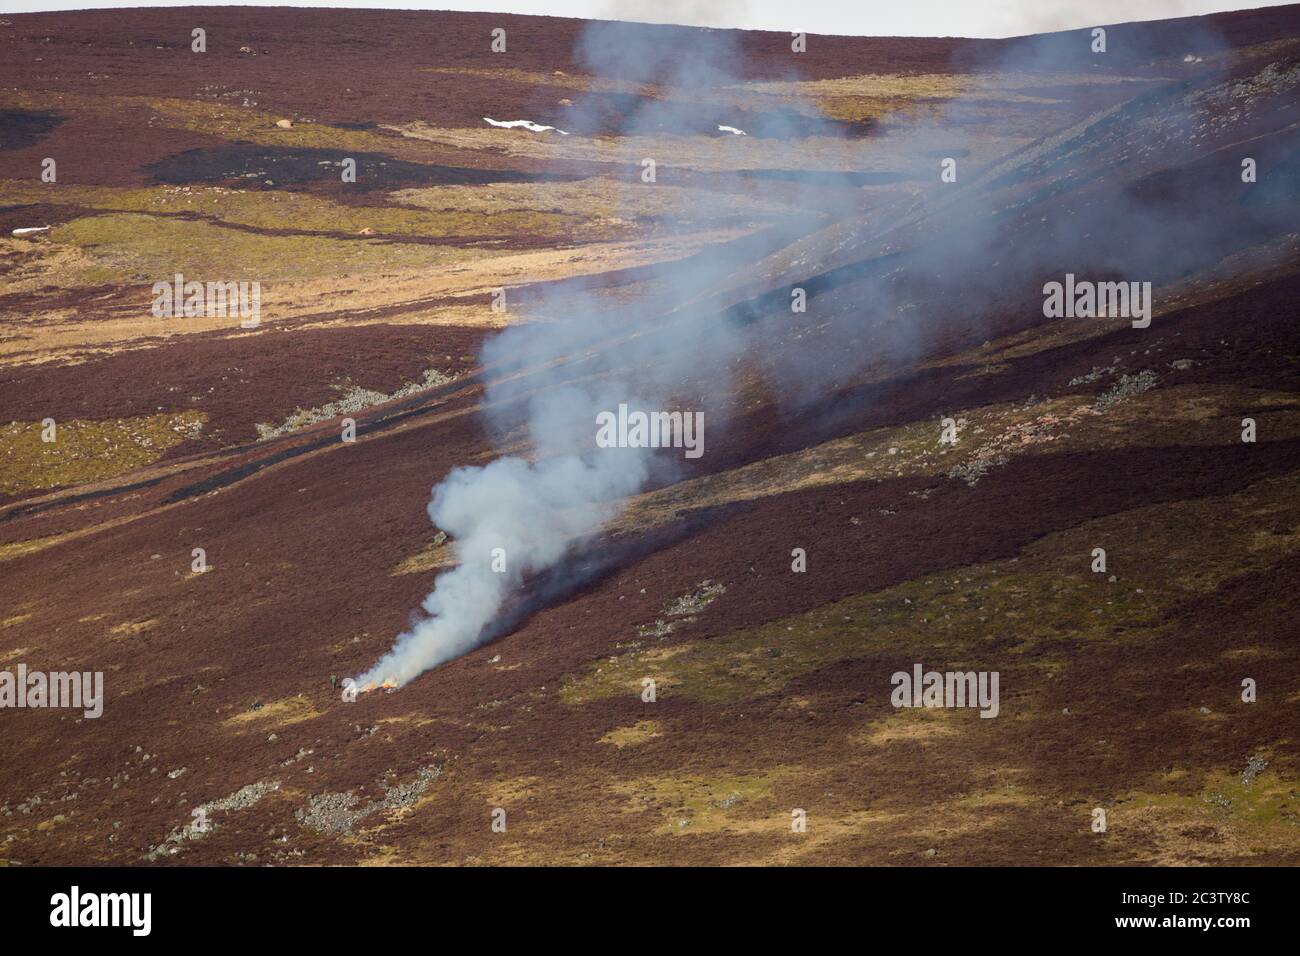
{"type": "Point", "coordinates": [971, 18]}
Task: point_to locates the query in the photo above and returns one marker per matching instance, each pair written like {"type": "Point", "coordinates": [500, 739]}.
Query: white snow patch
{"type": "Point", "coordinates": [526, 124]}
{"type": "Point", "coordinates": [31, 229]}
{"type": "Point", "coordinates": [733, 130]}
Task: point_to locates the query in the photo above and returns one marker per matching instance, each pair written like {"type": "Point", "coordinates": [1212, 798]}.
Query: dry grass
{"type": "Point", "coordinates": [302, 277]}
{"type": "Point", "coordinates": [637, 733]}
{"type": "Point", "coordinates": [278, 713]}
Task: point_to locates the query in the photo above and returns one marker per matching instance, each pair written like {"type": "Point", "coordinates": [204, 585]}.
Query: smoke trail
{"type": "Point", "coordinates": [514, 517]}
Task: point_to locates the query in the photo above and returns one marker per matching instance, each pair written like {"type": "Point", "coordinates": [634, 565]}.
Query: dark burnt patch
{"type": "Point", "coordinates": [267, 167]}
{"type": "Point", "coordinates": [22, 128]}
{"type": "Point", "coordinates": [26, 215]}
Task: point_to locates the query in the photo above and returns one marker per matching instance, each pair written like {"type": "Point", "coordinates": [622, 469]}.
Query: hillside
{"type": "Point", "coordinates": [380, 301]}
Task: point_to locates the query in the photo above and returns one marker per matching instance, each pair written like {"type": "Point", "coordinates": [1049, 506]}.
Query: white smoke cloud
{"type": "Point", "coordinates": [533, 513]}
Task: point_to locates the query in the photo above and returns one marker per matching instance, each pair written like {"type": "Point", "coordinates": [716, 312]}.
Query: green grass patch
{"type": "Point", "coordinates": [87, 450]}
{"type": "Point", "coordinates": [140, 248]}
{"type": "Point", "coordinates": [458, 214]}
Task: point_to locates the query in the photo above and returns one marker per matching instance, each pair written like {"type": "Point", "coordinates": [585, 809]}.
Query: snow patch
{"type": "Point", "coordinates": [526, 124]}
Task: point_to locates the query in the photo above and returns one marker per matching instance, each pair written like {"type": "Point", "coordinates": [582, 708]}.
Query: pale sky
{"type": "Point", "coordinates": [972, 18]}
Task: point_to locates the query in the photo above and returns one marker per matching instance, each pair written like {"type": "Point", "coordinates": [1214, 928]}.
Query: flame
{"type": "Point", "coordinates": [390, 683]}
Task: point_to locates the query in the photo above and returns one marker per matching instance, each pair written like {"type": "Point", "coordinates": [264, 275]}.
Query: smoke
{"type": "Point", "coordinates": [516, 517]}
{"type": "Point", "coordinates": [522, 515]}
{"type": "Point", "coordinates": [883, 277]}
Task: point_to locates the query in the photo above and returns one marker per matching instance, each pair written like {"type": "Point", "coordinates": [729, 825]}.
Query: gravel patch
{"type": "Point", "coordinates": [355, 399]}
{"type": "Point", "coordinates": [337, 813]}
{"type": "Point", "coordinates": [1127, 387]}
{"type": "Point", "coordinates": [1254, 767]}
{"type": "Point", "coordinates": [684, 609]}
{"type": "Point", "coordinates": [241, 799]}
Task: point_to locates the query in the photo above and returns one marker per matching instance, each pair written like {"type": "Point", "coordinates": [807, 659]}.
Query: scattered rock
{"type": "Point", "coordinates": [1127, 387]}
{"type": "Point", "coordinates": [355, 399]}
{"type": "Point", "coordinates": [708, 592]}
{"type": "Point", "coordinates": [1254, 767]}
{"type": "Point", "coordinates": [1098, 372]}
{"type": "Point", "coordinates": [334, 813]}
{"type": "Point", "coordinates": [241, 799]}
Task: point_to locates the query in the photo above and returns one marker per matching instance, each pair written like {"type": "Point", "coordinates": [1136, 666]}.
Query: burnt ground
{"type": "Point", "coordinates": [1120, 690]}
{"type": "Point", "coordinates": [267, 167]}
